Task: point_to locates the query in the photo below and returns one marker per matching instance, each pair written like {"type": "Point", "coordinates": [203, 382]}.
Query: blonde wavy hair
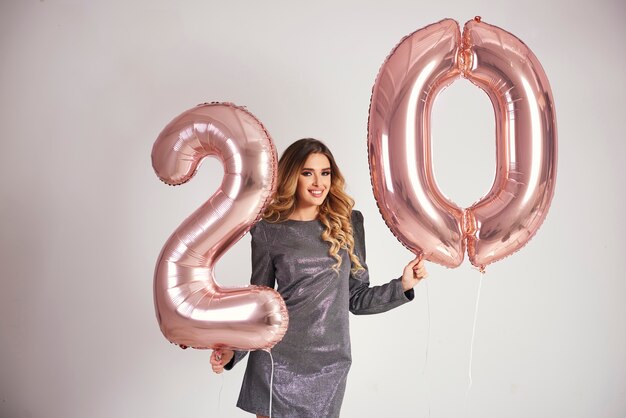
{"type": "Point", "coordinates": [335, 213]}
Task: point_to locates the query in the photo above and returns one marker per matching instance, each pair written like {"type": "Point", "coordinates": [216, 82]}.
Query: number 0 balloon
{"type": "Point", "coordinates": [192, 309]}
{"type": "Point", "coordinates": [416, 211]}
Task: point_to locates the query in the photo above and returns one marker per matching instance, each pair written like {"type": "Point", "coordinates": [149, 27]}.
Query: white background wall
{"type": "Point", "coordinates": [85, 88]}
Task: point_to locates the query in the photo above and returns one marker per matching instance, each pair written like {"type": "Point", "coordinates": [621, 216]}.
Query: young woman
{"type": "Point", "coordinates": [311, 243]}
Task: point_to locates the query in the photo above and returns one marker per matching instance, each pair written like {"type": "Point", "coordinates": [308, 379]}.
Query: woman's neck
{"type": "Point", "coordinates": [305, 214]}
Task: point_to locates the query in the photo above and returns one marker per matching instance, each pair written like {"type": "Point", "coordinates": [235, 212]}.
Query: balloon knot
{"type": "Point", "coordinates": [465, 57]}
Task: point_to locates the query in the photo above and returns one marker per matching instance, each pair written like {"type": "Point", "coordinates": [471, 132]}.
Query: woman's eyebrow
{"type": "Point", "coordinates": [312, 169]}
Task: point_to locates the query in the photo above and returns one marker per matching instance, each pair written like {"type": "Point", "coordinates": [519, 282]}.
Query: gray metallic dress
{"type": "Point", "coordinates": [311, 362]}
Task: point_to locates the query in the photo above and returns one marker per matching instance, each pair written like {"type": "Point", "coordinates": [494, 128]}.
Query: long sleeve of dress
{"type": "Point", "coordinates": [262, 274]}
{"type": "Point", "coordinates": [366, 300]}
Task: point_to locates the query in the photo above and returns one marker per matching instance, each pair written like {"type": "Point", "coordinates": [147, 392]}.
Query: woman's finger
{"type": "Point", "coordinates": [413, 262]}
{"type": "Point", "coordinates": [421, 273]}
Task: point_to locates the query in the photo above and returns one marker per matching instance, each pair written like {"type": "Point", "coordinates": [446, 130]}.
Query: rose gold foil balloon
{"type": "Point", "coordinates": [418, 214]}
{"type": "Point", "coordinates": [192, 309]}
{"type": "Point", "coordinates": [413, 207]}
{"type": "Point", "coordinates": [526, 142]}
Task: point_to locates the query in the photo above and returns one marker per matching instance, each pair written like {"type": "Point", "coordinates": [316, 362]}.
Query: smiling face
{"type": "Point", "coordinates": [313, 183]}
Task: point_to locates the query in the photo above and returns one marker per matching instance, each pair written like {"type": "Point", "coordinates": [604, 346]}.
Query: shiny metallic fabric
{"type": "Point", "coordinates": [312, 361]}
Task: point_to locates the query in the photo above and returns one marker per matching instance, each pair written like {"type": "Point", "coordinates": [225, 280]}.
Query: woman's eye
{"type": "Point", "coordinates": [310, 173]}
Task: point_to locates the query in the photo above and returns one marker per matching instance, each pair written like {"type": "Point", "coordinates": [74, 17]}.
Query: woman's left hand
{"type": "Point", "coordinates": [413, 273]}
{"type": "Point", "coordinates": [219, 358]}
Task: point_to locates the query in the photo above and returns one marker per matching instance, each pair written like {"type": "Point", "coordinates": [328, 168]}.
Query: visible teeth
{"type": "Point", "coordinates": [316, 193]}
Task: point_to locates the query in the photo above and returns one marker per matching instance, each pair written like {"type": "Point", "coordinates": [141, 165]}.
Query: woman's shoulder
{"type": "Point", "coordinates": [258, 230]}
{"type": "Point", "coordinates": [357, 217]}
{"type": "Point", "coordinates": [264, 230]}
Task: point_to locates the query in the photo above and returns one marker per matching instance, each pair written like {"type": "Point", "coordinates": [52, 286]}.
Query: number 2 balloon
{"type": "Point", "coordinates": [192, 309]}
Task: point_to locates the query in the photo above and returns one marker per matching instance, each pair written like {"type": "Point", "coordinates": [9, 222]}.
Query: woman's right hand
{"type": "Point", "coordinates": [220, 358]}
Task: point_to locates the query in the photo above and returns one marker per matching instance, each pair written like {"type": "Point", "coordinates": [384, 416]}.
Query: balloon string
{"type": "Point", "coordinates": [271, 381]}
{"type": "Point", "coordinates": [427, 349]}
{"type": "Point", "coordinates": [219, 397]}
{"type": "Point", "coordinates": [471, 357]}
{"type": "Point", "coordinates": [427, 329]}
